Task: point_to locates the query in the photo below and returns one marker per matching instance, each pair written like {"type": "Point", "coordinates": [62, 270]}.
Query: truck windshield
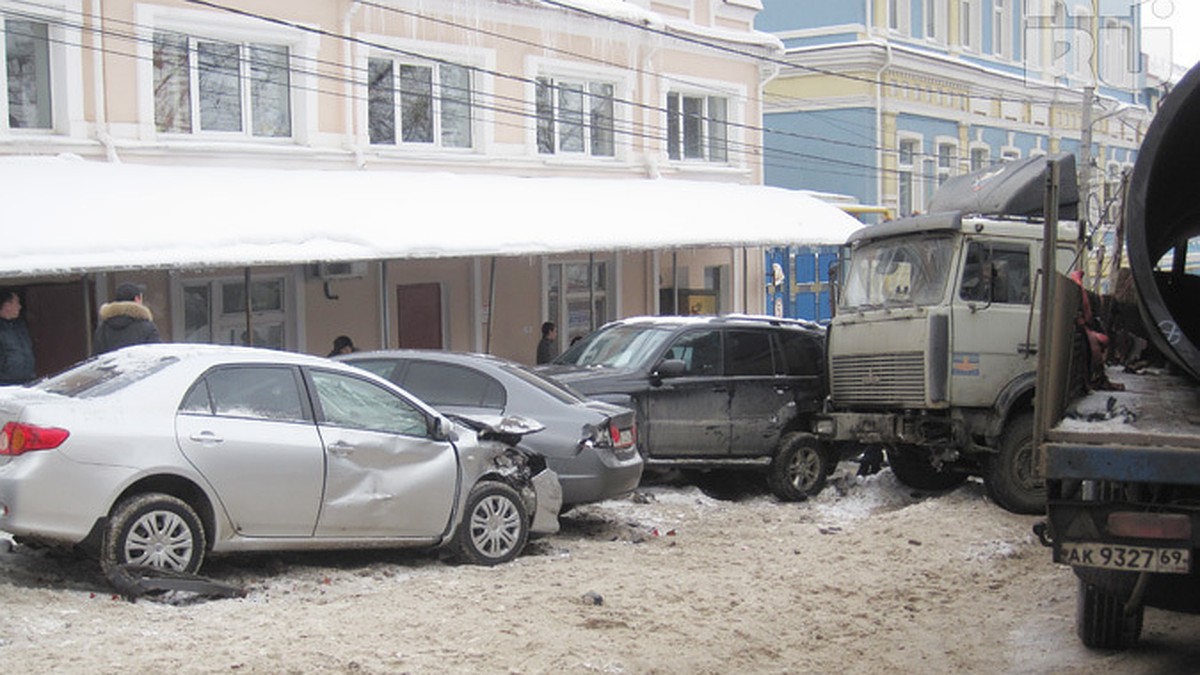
{"type": "Point", "coordinates": [905, 271]}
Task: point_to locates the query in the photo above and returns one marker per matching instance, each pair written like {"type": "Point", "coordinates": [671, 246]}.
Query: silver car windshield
{"type": "Point", "coordinates": [619, 346]}
{"type": "Point", "coordinates": [898, 272]}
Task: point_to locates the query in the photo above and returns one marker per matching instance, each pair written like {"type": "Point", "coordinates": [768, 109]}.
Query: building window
{"type": "Point", "coordinates": [934, 20]}
{"type": "Point", "coordinates": [214, 312]}
{"type": "Point", "coordinates": [27, 64]}
{"type": "Point", "coordinates": [697, 127]}
{"type": "Point", "coordinates": [968, 24]}
{"type": "Point", "coordinates": [981, 158]}
{"type": "Point", "coordinates": [899, 16]}
{"type": "Point", "coordinates": [1010, 155]}
{"type": "Point", "coordinates": [947, 157]}
{"type": "Point", "coordinates": [1002, 24]}
{"type": "Point", "coordinates": [1117, 40]}
{"type": "Point", "coordinates": [576, 301]}
{"type": "Point", "coordinates": [431, 102]}
{"type": "Point", "coordinates": [226, 87]}
{"type": "Point", "coordinates": [575, 117]}
{"type": "Point", "coordinates": [905, 176]}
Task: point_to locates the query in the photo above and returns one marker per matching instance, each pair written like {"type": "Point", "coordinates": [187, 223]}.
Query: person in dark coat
{"type": "Point", "coordinates": [124, 321]}
{"type": "Point", "coordinates": [547, 347]}
{"type": "Point", "coordinates": [16, 348]}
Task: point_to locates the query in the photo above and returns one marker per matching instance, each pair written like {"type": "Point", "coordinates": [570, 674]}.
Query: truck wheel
{"type": "Point", "coordinates": [912, 467]}
{"type": "Point", "coordinates": [799, 468]}
{"type": "Point", "coordinates": [1010, 477]}
{"type": "Point", "coordinates": [1101, 619]}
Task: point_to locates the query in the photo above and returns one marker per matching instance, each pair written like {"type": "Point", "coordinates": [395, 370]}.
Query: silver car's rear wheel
{"type": "Point", "coordinates": [154, 530]}
{"type": "Point", "coordinates": [495, 527]}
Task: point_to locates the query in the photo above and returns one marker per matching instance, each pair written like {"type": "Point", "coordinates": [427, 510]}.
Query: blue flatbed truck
{"type": "Point", "coordinates": [1123, 493]}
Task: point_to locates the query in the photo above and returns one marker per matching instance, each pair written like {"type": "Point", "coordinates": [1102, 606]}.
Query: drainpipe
{"type": "Point", "coordinates": [351, 121]}
{"type": "Point", "coordinates": [887, 63]}
{"type": "Point", "coordinates": [101, 121]}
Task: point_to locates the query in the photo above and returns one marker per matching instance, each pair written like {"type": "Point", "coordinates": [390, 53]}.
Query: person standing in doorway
{"type": "Point", "coordinates": [547, 347]}
{"type": "Point", "coordinates": [16, 347]}
{"type": "Point", "coordinates": [124, 321]}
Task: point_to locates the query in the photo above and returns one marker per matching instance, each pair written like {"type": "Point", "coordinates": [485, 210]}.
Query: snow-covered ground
{"type": "Point", "coordinates": [866, 578]}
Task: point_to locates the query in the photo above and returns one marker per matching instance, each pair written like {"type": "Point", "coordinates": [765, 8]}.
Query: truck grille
{"type": "Point", "coordinates": [879, 379]}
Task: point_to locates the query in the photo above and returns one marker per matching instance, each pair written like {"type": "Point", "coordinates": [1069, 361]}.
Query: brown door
{"type": "Point", "coordinates": [59, 324]}
{"type": "Point", "coordinates": [420, 315]}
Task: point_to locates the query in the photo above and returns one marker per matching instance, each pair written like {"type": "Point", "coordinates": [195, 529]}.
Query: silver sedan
{"type": "Point", "coordinates": [158, 454]}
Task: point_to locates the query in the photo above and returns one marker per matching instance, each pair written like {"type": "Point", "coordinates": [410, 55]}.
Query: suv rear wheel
{"type": "Point", "coordinates": [799, 468]}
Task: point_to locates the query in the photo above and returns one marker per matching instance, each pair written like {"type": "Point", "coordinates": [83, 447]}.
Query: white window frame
{"type": "Point", "coordinates": [899, 16]}
{"type": "Point", "coordinates": [437, 100]}
{"type": "Point", "coordinates": [970, 31]}
{"type": "Point", "coordinates": [947, 164]}
{"type": "Point", "coordinates": [558, 71]}
{"type": "Point", "coordinates": [1118, 41]}
{"type": "Point", "coordinates": [209, 26]}
{"type": "Point", "coordinates": [247, 120]}
{"type": "Point", "coordinates": [1010, 153]}
{"type": "Point", "coordinates": [909, 168]}
{"type": "Point", "coordinates": [288, 317]}
{"type": "Point", "coordinates": [481, 64]}
{"type": "Point", "coordinates": [677, 127]}
{"type": "Point", "coordinates": [933, 15]}
{"type": "Point", "coordinates": [974, 151]}
{"type": "Point", "coordinates": [557, 309]}
{"type": "Point", "coordinates": [64, 55]}
{"type": "Point", "coordinates": [1002, 28]}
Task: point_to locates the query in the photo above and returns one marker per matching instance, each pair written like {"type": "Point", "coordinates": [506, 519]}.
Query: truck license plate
{"type": "Point", "coordinates": [1127, 558]}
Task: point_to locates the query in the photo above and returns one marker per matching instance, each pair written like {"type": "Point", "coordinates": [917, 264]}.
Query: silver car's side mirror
{"type": "Point", "coordinates": [442, 430]}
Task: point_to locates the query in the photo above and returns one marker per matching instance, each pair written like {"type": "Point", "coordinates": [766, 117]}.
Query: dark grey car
{"type": "Point", "coordinates": [591, 445]}
{"type": "Point", "coordinates": [731, 391]}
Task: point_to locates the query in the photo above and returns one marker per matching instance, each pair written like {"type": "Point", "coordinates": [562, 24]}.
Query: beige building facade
{"type": "Point", "coordinates": [639, 90]}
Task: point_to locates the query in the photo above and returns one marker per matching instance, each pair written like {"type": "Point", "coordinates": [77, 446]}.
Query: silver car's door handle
{"type": "Point", "coordinates": [340, 448]}
{"type": "Point", "coordinates": [206, 437]}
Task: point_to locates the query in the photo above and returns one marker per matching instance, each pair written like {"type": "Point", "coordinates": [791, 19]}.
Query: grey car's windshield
{"type": "Point", "coordinates": [902, 271]}
{"type": "Point", "coordinates": [623, 346]}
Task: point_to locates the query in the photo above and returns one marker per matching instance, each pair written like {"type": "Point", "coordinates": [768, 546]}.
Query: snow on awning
{"type": "Point", "coordinates": [66, 215]}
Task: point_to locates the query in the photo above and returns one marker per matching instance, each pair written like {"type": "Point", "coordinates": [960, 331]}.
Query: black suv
{"type": "Point", "coordinates": [727, 391]}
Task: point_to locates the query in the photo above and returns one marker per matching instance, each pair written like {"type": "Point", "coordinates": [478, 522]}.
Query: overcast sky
{"type": "Point", "coordinates": [1174, 25]}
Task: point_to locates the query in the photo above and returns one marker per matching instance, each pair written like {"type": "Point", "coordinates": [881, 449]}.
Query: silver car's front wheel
{"type": "Point", "coordinates": [154, 530]}
{"type": "Point", "coordinates": [495, 527]}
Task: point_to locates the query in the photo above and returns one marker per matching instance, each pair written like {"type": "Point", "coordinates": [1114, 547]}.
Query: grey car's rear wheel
{"type": "Point", "coordinates": [1102, 621]}
{"type": "Point", "coordinates": [155, 530]}
{"type": "Point", "coordinates": [495, 526]}
{"type": "Point", "coordinates": [799, 469]}
{"type": "Point", "coordinates": [912, 467]}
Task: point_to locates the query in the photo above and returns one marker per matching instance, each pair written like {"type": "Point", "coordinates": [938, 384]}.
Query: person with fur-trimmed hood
{"type": "Point", "coordinates": [124, 321]}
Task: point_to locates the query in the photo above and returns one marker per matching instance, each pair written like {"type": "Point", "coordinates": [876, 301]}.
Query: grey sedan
{"type": "Point", "coordinates": [591, 445]}
{"type": "Point", "coordinates": [158, 454]}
